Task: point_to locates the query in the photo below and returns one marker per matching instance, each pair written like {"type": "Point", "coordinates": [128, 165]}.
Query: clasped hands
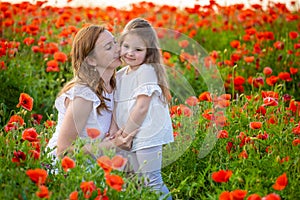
{"type": "Point", "coordinates": [121, 139]}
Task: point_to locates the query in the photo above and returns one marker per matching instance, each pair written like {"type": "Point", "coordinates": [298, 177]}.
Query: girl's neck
{"type": "Point", "coordinates": [132, 68]}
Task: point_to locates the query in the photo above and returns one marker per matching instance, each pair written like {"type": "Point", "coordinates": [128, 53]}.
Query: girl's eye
{"type": "Point", "coordinates": [125, 45]}
{"type": "Point", "coordinates": [139, 49]}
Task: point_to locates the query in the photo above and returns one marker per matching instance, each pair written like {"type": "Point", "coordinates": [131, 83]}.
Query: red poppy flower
{"type": "Point", "coordinates": [221, 176]}
{"type": "Point", "coordinates": [186, 110]}
{"type": "Point", "coordinates": [272, 80]}
{"type": "Point", "coordinates": [243, 154]}
{"type": "Point", "coordinates": [221, 103]}
{"type": "Point", "coordinates": [269, 101]}
{"type": "Point", "coordinates": [118, 162]}
{"type": "Point", "coordinates": [225, 196]}
{"type": "Point", "coordinates": [254, 197]}
{"type": "Point", "coordinates": [281, 182]}
{"type": "Point", "coordinates": [37, 118]}
{"type": "Point", "coordinates": [38, 176]}
{"type": "Point", "coordinates": [235, 44]}
{"type": "Point", "coordinates": [114, 181]}
{"type": "Point", "coordinates": [257, 82]}
{"type": "Point", "coordinates": [296, 142]}
{"type": "Point", "coordinates": [183, 43]}
{"type": "Point", "coordinates": [294, 106]}
{"type": "Point", "coordinates": [293, 34]}
{"type": "Point", "coordinates": [267, 71]}
{"type": "Point", "coordinates": [49, 123]}
{"type": "Point", "coordinates": [28, 41]}
{"type": "Point", "coordinates": [222, 134]}
{"type": "Point", "coordinates": [34, 154]}
{"type": "Point", "coordinates": [272, 94]}
{"type": "Point", "coordinates": [208, 114]}
{"type": "Point", "coordinates": [87, 188]}
{"type": "Point", "coordinates": [14, 122]}
{"type": "Point", "coordinates": [297, 46]}
{"type": "Point", "coordinates": [67, 163]}
{"type": "Point", "coordinates": [296, 130]}
{"type": "Point", "coordinates": [249, 59]}
{"type": "Point", "coordinates": [166, 55]}
{"type": "Point", "coordinates": [52, 66]}
{"type": "Point", "coordinates": [205, 96]}
{"type": "Point", "coordinates": [238, 194]}
{"type": "Point", "coordinates": [92, 132]}
{"type": "Point", "coordinates": [255, 125]}
{"type": "Point", "coordinates": [105, 163]}
{"type": "Point", "coordinates": [30, 134]}
{"type": "Point", "coordinates": [25, 101]}
{"type": "Point", "coordinates": [285, 76]}
{"type": "Point", "coordinates": [279, 45]}
{"type": "Point", "coordinates": [229, 146]}
{"type": "Point", "coordinates": [43, 192]}
{"type": "Point", "coordinates": [73, 195]}
{"type": "Point", "coordinates": [272, 196]}
{"type": "Point", "coordinates": [18, 156]}
{"type": "Point", "coordinates": [239, 80]}
{"type": "Point", "coordinates": [293, 70]}
{"type": "Point", "coordinates": [60, 57]}
{"type": "Point", "coordinates": [262, 110]}
{"type": "Point", "coordinates": [192, 101]}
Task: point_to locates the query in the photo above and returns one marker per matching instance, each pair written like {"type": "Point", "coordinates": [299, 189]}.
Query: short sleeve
{"type": "Point", "coordinates": [147, 82]}
{"type": "Point", "coordinates": [77, 91]}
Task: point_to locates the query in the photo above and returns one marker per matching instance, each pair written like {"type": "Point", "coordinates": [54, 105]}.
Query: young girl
{"type": "Point", "coordinates": [141, 101]}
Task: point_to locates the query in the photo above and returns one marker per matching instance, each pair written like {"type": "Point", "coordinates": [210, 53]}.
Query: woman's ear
{"type": "Point", "coordinates": [90, 61]}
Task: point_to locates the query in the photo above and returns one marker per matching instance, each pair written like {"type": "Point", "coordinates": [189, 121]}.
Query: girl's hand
{"type": "Point", "coordinates": [123, 141]}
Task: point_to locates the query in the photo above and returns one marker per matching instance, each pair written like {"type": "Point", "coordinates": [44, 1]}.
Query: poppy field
{"type": "Point", "coordinates": [242, 143]}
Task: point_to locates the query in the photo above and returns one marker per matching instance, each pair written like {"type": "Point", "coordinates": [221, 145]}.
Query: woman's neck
{"type": "Point", "coordinates": [106, 75]}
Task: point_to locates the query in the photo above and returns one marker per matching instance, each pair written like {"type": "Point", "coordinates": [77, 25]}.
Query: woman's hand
{"type": "Point", "coordinates": [123, 141]}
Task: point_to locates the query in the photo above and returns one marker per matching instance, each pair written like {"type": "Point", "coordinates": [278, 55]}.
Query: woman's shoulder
{"type": "Point", "coordinates": [82, 91]}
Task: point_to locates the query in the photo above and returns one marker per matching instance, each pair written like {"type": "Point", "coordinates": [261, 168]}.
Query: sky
{"type": "Point", "coordinates": [126, 3]}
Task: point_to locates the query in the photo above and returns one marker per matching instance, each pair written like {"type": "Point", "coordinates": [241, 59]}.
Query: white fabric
{"type": "Point", "coordinates": [157, 126]}
{"type": "Point", "coordinates": [100, 122]}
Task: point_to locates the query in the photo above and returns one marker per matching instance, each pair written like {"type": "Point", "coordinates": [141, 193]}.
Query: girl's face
{"type": "Point", "coordinates": [107, 51]}
{"type": "Point", "coordinates": [133, 50]}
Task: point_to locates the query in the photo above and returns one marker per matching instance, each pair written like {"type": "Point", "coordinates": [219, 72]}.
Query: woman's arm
{"type": "Point", "coordinates": [113, 126]}
{"type": "Point", "coordinates": [74, 121]}
{"type": "Point", "coordinates": [137, 114]}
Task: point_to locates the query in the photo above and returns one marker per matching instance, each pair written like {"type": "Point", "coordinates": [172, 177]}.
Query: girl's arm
{"type": "Point", "coordinates": [137, 114]}
{"type": "Point", "coordinates": [74, 121]}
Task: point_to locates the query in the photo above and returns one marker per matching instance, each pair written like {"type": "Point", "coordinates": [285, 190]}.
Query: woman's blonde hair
{"type": "Point", "coordinates": [84, 74]}
{"type": "Point", "coordinates": [146, 32]}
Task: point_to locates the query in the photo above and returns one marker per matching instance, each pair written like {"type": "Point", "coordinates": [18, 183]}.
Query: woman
{"type": "Point", "coordinates": [87, 100]}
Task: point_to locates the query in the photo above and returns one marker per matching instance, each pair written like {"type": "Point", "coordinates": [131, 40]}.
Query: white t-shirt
{"type": "Point", "coordinates": [156, 128]}
{"type": "Point", "coordinates": [100, 122]}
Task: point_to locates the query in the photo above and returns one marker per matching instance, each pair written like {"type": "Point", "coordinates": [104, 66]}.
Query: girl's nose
{"type": "Point", "coordinates": [130, 53]}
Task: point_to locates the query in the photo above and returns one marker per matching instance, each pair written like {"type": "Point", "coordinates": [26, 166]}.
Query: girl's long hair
{"type": "Point", "coordinates": [84, 74]}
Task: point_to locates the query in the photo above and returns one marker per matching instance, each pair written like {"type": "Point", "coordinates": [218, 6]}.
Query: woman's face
{"type": "Point", "coordinates": [107, 51]}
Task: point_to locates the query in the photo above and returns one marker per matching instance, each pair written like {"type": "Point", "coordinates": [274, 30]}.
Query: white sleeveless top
{"type": "Point", "coordinates": [100, 122]}
{"type": "Point", "coordinates": [157, 126]}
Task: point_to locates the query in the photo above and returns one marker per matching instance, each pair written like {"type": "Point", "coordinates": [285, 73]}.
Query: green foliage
{"type": "Point", "coordinates": [256, 157]}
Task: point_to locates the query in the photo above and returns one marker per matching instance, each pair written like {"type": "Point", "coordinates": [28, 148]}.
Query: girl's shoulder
{"type": "Point", "coordinates": [146, 67]}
